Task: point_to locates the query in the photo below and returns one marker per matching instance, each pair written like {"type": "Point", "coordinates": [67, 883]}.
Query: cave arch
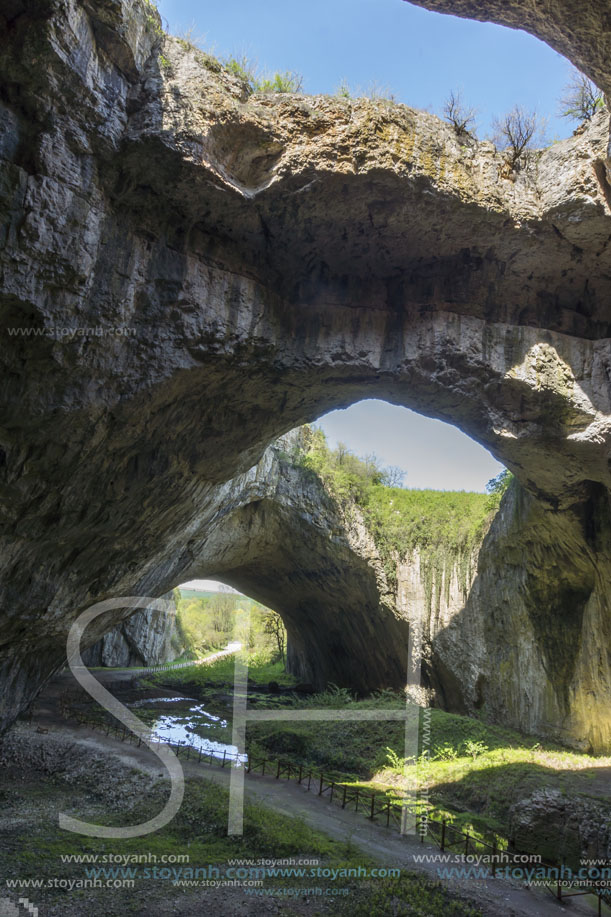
{"type": "Point", "coordinates": [352, 250]}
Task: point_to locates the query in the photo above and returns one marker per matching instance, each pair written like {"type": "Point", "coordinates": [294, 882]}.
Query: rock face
{"type": "Point", "coordinates": [529, 646]}
{"type": "Point", "coordinates": [148, 637]}
{"type": "Point", "coordinates": [559, 826]}
{"type": "Point", "coordinates": [189, 271]}
{"type": "Point", "coordinates": [281, 539]}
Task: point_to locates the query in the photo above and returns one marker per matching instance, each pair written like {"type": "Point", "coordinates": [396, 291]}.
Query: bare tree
{"type": "Point", "coordinates": [393, 476]}
{"type": "Point", "coordinates": [582, 98]}
{"type": "Point", "coordinates": [517, 131]}
{"type": "Point", "coordinates": [460, 116]}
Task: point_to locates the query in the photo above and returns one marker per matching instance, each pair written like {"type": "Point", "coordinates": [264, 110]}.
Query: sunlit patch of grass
{"type": "Point", "coordinates": [221, 673]}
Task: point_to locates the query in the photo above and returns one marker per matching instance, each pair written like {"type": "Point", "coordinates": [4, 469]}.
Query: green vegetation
{"type": "Point", "coordinates": [407, 896]}
{"type": "Point", "coordinates": [446, 527]}
{"type": "Point", "coordinates": [247, 71]}
{"type": "Point", "coordinates": [472, 772]}
{"type": "Point", "coordinates": [373, 91]}
{"type": "Point", "coordinates": [209, 621]}
{"type": "Point", "coordinates": [153, 19]}
{"type": "Point", "coordinates": [262, 668]}
{"type": "Point", "coordinates": [280, 82]}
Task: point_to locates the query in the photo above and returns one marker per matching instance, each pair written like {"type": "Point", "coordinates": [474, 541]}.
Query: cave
{"type": "Point", "coordinates": [171, 309]}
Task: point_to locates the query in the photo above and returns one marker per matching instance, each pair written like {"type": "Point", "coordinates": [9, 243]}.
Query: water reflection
{"type": "Point", "coordinates": [183, 728]}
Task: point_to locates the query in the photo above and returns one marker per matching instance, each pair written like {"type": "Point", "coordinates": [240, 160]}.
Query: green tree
{"type": "Point", "coordinates": [274, 627]}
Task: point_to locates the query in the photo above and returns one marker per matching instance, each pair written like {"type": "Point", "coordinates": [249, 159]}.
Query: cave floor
{"type": "Point", "coordinates": [495, 898]}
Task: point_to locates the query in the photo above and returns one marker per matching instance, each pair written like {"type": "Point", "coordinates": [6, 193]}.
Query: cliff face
{"type": "Point", "coordinates": [148, 637]}
{"type": "Point", "coordinates": [189, 271]}
{"type": "Point", "coordinates": [528, 644]}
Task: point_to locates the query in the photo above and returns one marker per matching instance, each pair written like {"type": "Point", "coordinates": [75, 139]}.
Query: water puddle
{"type": "Point", "coordinates": [189, 725]}
{"type": "Point", "coordinates": [153, 701]}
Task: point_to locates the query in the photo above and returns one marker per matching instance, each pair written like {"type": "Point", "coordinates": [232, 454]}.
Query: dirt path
{"type": "Point", "coordinates": [495, 897]}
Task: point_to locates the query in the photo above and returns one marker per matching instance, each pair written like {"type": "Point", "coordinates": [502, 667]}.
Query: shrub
{"type": "Point", "coordinates": [445, 752]}
{"type": "Point", "coordinates": [287, 82]}
{"type": "Point", "coordinates": [517, 132]}
{"type": "Point", "coordinates": [474, 749]}
{"type": "Point", "coordinates": [343, 91]}
{"type": "Point", "coordinates": [460, 116]}
{"type": "Point", "coordinates": [243, 68]}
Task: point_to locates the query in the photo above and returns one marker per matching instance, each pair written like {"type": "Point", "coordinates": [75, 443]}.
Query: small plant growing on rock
{"type": "Point", "coordinates": [582, 98]}
{"type": "Point", "coordinates": [243, 68]}
{"type": "Point", "coordinates": [280, 82]}
{"type": "Point", "coordinates": [460, 116]}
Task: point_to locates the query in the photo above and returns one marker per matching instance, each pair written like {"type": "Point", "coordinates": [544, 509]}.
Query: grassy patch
{"type": "Point", "coordinates": [221, 673]}
{"type": "Point", "coordinates": [407, 896]}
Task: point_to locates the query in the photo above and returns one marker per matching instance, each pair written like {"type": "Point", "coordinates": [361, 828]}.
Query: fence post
{"type": "Point", "coordinates": [224, 757]}
{"type": "Point", "coordinates": [278, 771]}
{"type": "Point", "coordinates": [320, 787]}
{"type": "Point", "coordinates": [356, 808]}
{"type": "Point", "coordinates": [494, 856]}
{"type": "Point", "coordinates": [309, 780]}
{"type": "Point", "coordinates": [344, 797]}
{"type": "Point", "coordinates": [443, 835]}
{"type": "Point", "coordinates": [373, 806]}
{"type": "Point", "coordinates": [388, 814]}
{"type": "Point", "coordinates": [300, 772]}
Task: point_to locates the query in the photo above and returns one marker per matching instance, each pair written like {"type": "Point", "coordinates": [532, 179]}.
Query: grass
{"type": "Point", "coordinates": [196, 838]}
{"type": "Point", "coordinates": [221, 673]}
{"type": "Point", "coordinates": [471, 773]}
{"type": "Point", "coordinates": [407, 896]}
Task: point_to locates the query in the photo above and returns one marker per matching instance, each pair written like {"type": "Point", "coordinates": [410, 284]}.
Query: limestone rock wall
{"type": "Point", "coordinates": [148, 637]}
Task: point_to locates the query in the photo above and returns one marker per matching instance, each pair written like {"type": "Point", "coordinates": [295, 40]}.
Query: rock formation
{"type": "Point", "coordinates": [148, 637]}
{"type": "Point", "coordinates": [189, 271]}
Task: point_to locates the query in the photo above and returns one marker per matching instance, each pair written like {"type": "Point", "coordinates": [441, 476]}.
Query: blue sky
{"type": "Point", "coordinates": [432, 454]}
{"type": "Point", "coordinates": [419, 56]}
